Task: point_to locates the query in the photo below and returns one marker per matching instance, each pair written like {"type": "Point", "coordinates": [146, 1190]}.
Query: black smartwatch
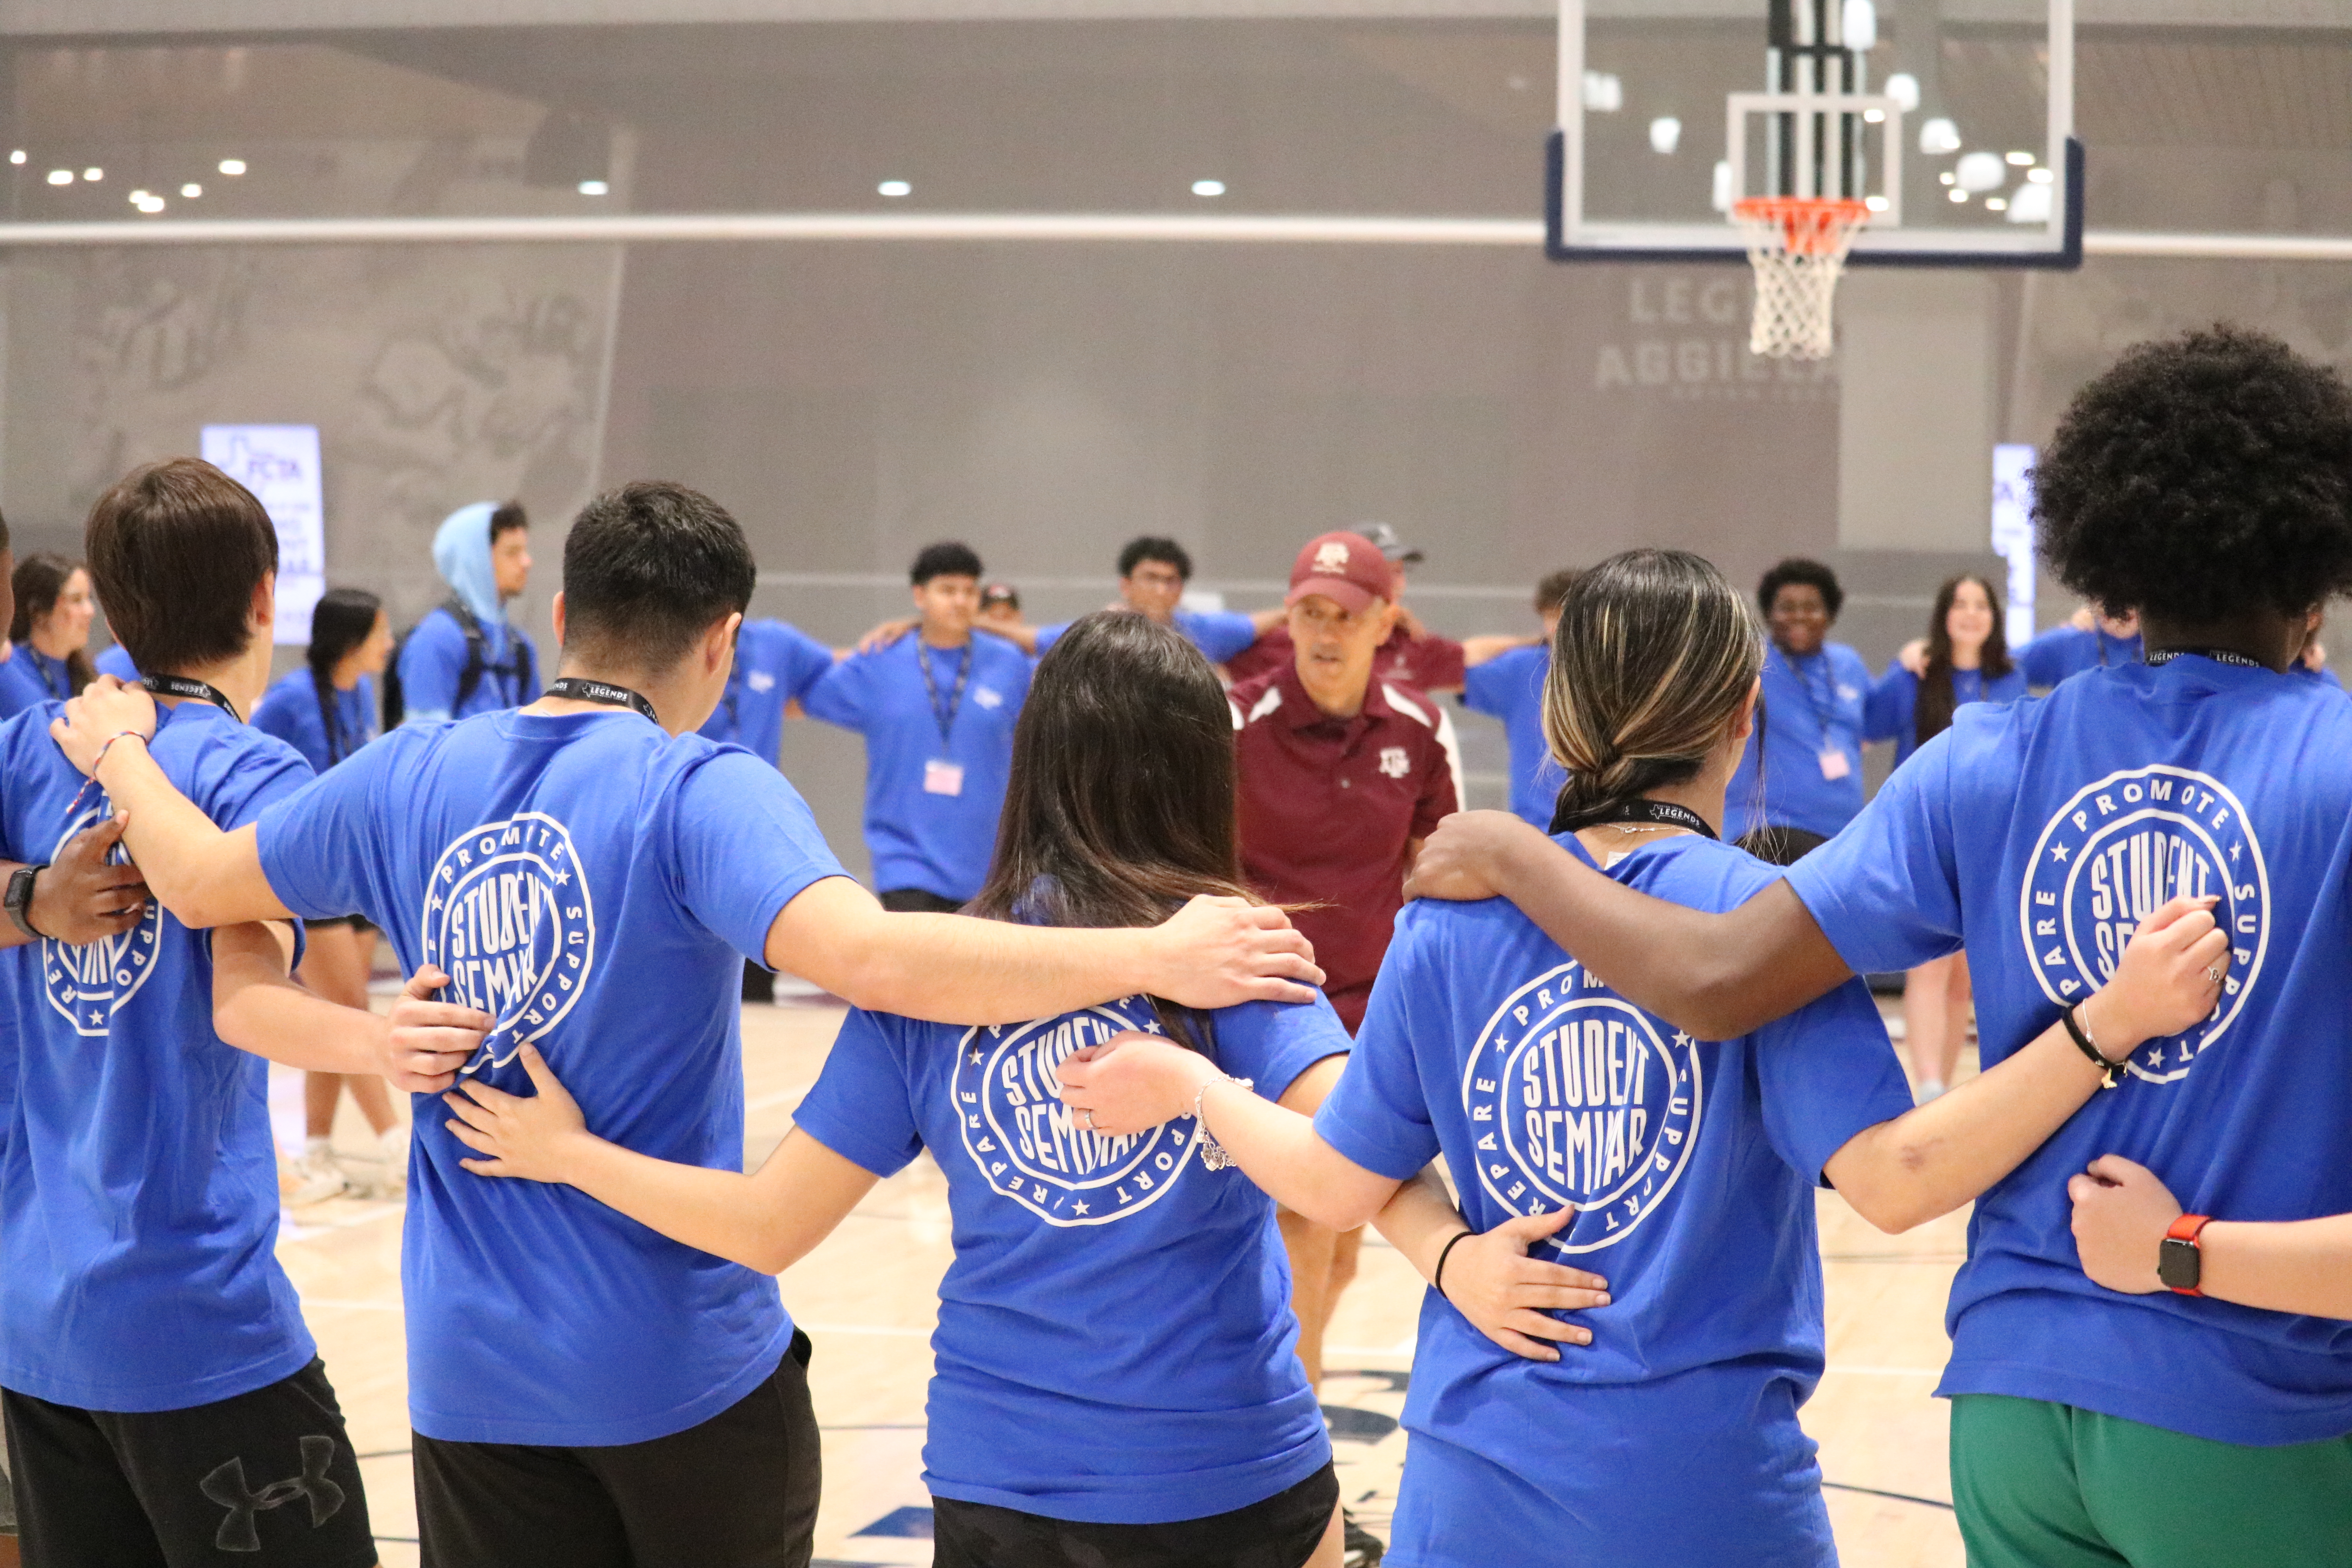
{"type": "Point", "coordinates": [2179, 1261]}
{"type": "Point", "coordinates": [20, 897]}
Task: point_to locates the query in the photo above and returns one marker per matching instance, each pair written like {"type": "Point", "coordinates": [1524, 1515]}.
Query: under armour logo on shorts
{"type": "Point", "coordinates": [226, 1486]}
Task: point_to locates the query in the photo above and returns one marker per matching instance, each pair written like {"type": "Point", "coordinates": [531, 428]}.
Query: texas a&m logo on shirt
{"type": "Point", "coordinates": [1031, 1147]}
{"type": "Point", "coordinates": [88, 983]}
{"type": "Point", "coordinates": [2116, 852]}
{"type": "Point", "coordinates": [508, 917]}
{"type": "Point", "coordinates": [1576, 1096]}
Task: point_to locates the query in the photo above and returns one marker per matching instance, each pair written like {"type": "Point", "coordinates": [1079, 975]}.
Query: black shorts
{"type": "Point", "coordinates": [266, 1478]}
{"type": "Point", "coordinates": [1280, 1533]}
{"type": "Point", "coordinates": [918, 902]}
{"type": "Point", "coordinates": [738, 1492]}
{"type": "Point", "coordinates": [359, 923]}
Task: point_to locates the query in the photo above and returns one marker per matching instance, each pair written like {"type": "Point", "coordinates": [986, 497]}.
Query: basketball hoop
{"type": "Point", "coordinates": [1798, 246]}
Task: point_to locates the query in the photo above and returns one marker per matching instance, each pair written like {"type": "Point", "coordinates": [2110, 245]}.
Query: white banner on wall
{"type": "Point", "coordinates": [2012, 535]}
{"type": "Point", "coordinates": [279, 464]}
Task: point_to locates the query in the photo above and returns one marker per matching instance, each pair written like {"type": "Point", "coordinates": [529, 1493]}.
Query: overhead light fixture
{"type": "Point", "coordinates": [2023, 159]}
{"type": "Point", "coordinates": [232, 167]}
{"type": "Point", "coordinates": [1981, 171]}
{"type": "Point", "coordinates": [1996, 203]}
{"type": "Point", "coordinates": [1875, 116]}
{"type": "Point", "coordinates": [893, 189]}
{"type": "Point", "coordinates": [61, 177]}
{"type": "Point", "coordinates": [139, 195]}
{"type": "Point", "coordinates": [1938, 137]}
{"type": "Point", "coordinates": [93, 175]}
{"type": "Point", "coordinates": [1957, 194]}
{"type": "Point", "coordinates": [17, 156]}
{"type": "Point", "coordinates": [192, 190]}
{"type": "Point", "coordinates": [1949, 177]}
{"type": "Point", "coordinates": [594, 188]}
{"type": "Point", "coordinates": [1904, 89]}
{"type": "Point", "coordinates": [1208, 188]}
{"type": "Point", "coordinates": [1665, 133]}
{"type": "Point", "coordinates": [151, 206]}
{"type": "Point", "coordinates": [2029, 203]}
{"type": "Point", "coordinates": [2041, 177]}
{"type": "Point", "coordinates": [1876, 203]}
{"type": "Point", "coordinates": [1860, 29]}
{"type": "Point", "coordinates": [1604, 93]}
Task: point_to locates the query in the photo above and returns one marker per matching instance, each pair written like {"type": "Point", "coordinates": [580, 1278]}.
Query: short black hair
{"type": "Point", "coordinates": [2203, 476]}
{"type": "Point", "coordinates": [1151, 547]}
{"type": "Point", "coordinates": [1552, 592]}
{"type": "Point", "coordinates": [1797, 569]}
{"type": "Point", "coordinates": [508, 517]}
{"type": "Point", "coordinates": [175, 551]}
{"type": "Point", "coordinates": [951, 559]}
{"type": "Point", "coordinates": [647, 569]}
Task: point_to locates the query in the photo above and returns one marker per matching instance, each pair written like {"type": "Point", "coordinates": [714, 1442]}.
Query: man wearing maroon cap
{"type": "Point", "coordinates": [1410, 655]}
{"type": "Point", "coordinates": [1342, 776]}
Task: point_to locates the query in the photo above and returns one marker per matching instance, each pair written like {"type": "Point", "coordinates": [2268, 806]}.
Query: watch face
{"type": "Point", "coordinates": [2179, 1264]}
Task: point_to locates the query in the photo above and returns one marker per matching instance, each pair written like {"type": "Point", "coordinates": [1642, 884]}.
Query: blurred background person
{"type": "Point", "coordinates": [48, 636]}
{"type": "Point", "coordinates": [999, 609]}
{"type": "Point", "coordinates": [1967, 661]}
{"type": "Point", "coordinates": [1799, 781]}
{"type": "Point", "coordinates": [326, 710]}
{"type": "Point", "coordinates": [465, 658]}
{"type": "Point", "coordinates": [1507, 683]}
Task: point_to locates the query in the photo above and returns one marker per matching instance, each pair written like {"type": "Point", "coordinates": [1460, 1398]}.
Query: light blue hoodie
{"type": "Point", "coordinates": [461, 553]}
{"type": "Point", "coordinates": [433, 658]}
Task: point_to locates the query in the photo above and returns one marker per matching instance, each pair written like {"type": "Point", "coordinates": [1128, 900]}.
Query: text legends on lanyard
{"type": "Point", "coordinates": [579, 688]}
{"type": "Point", "coordinates": [193, 690]}
{"type": "Point", "coordinates": [942, 777]}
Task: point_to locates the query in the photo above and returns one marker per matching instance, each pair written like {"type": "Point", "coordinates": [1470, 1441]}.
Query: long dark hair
{"type": "Point", "coordinates": [1932, 715]}
{"type": "Point", "coordinates": [1122, 802]}
{"type": "Point", "coordinates": [343, 619]}
{"type": "Point", "coordinates": [39, 583]}
{"type": "Point", "coordinates": [1653, 653]}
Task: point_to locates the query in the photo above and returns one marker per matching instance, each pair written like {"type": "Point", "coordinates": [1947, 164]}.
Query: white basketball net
{"type": "Point", "coordinates": [1798, 246]}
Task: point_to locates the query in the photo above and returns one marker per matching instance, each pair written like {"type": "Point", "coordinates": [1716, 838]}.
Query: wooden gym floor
{"type": "Point", "coordinates": [867, 1297]}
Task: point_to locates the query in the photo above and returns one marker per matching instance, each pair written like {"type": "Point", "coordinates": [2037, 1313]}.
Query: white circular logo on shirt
{"type": "Point", "coordinates": [87, 985]}
{"type": "Point", "coordinates": [2115, 853]}
{"type": "Point", "coordinates": [508, 917]}
{"type": "Point", "coordinates": [1576, 1096]}
{"type": "Point", "coordinates": [1034, 1148]}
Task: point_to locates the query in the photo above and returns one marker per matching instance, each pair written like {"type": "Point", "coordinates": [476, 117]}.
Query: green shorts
{"type": "Point", "coordinates": [2040, 1485]}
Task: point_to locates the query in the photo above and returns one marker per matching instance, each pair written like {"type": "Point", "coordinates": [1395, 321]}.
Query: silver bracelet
{"type": "Point", "coordinates": [1212, 1153]}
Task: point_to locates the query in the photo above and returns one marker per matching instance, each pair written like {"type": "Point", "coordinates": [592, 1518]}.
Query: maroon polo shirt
{"type": "Point", "coordinates": [1423, 664]}
{"type": "Point", "coordinates": [1327, 807]}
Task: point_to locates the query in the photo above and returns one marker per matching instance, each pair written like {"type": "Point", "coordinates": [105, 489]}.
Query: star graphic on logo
{"type": "Point", "coordinates": [975, 1055]}
{"type": "Point", "coordinates": [1151, 1027]}
{"type": "Point", "coordinates": [2057, 852]}
{"type": "Point", "coordinates": [1078, 1208]}
{"type": "Point", "coordinates": [561, 877]}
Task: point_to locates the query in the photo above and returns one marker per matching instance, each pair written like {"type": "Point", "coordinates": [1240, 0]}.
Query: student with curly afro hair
{"type": "Point", "coordinates": [2130, 1383]}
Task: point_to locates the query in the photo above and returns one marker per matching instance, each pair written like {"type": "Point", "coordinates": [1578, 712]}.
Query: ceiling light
{"type": "Point", "coordinates": [2040, 176]}
{"type": "Point", "coordinates": [1876, 203]}
{"type": "Point", "coordinates": [232, 167]}
{"type": "Point", "coordinates": [1604, 93]}
{"type": "Point", "coordinates": [1904, 89]}
{"type": "Point", "coordinates": [895, 189]}
{"type": "Point", "coordinates": [2029, 203]}
{"type": "Point", "coordinates": [61, 177]}
{"type": "Point", "coordinates": [1860, 31]}
{"type": "Point", "coordinates": [192, 190]}
{"type": "Point", "coordinates": [1875, 116]}
{"type": "Point", "coordinates": [152, 204]}
{"type": "Point", "coordinates": [93, 176]}
{"type": "Point", "coordinates": [1939, 136]}
{"type": "Point", "coordinates": [1665, 133]}
{"type": "Point", "coordinates": [2023, 159]}
{"type": "Point", "coordinates": [1949, 177]}
{"type": "Point", "coordinates": [1996, 203]}
{"type": "Point", "coordinates": [1981, 172]}
{"type": "Point", "coordinates": [1208, 188]}
{"type": "Point", "coordinates": [17, 156]}
{"type": "Point", "coordinates": [1957, 194]}
{"type": "Point", "coordinates": [139, 195]}
{"type": "Point", "coordinates": [594, 188]}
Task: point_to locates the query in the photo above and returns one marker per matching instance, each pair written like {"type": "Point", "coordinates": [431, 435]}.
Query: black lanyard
{"type": "Point", "coordinates": [62, 687]}
{"type": "Point", "coordinates": [1823, 717]}
{"type": "Point", "coordinates": [2101, 634]}
{"type": "Point", "coordinates": [2158, 659]}
{"type": "Point", "coordinates": [1665, 813]}
{"type": "Point", "coordinates": [579, 689]}
{"type": "Point", "coordinates": [195, 690]}
{"type": "Point", "coordinates": [945, 718]}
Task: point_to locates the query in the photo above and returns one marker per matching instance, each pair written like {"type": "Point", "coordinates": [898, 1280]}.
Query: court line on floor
{"type": "Point", "coordinates": [1898, 1496]}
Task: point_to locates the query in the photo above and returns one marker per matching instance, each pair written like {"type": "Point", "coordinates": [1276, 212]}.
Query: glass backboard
{"type": "Point", "coordinates": [1952, 119]}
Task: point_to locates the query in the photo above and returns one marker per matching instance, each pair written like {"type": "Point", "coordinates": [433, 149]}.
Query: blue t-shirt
{"type": "Point", "coordinates": [31, 677]}
{"type": "Point", "coordinates": [775, 664]}
{"type": "Point", "coordinates": [290, 711]}
{"type": "Point", "coordinates": [1509, 687]}
{"type": "Point", "coordinates": [1116, 1342]}
{"type": "Point", "coordinates": [1812, 708]}
{"type": "Point", "coordinates": [1222, 635]}
{"type": "Point", "coordinates": [116, 662]}
{"type": "Point", "coordinates": [433, 666]}
{"type": "Point", "coordinates": [1673, 1438]}
{"type": "Point", "coordinates": [2067, 651]}
{"type": "Point", "coordinates": [2038, 834]}
{"type": "Point", "coordinates": [1892, 711]}
{"type": "Point", "coordinates": [595, 885]}
{"type": "Point", "coordinates": [139, 1192]}
{"type": "Point", "coordinates": [931, 803]}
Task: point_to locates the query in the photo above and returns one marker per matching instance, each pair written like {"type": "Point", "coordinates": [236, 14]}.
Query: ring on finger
{"type": "Point", "coordinates": [1090, 1120]}
{"type": "Point", "coordinates": [2213, 972]}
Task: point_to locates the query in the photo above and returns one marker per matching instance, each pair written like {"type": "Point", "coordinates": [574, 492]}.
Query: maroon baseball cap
{"type": "Point", "coordinates": [1345, 568]}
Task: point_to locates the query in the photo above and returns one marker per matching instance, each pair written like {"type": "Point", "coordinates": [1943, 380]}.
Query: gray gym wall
{"type": "Point", "coordinates": [851, 403]}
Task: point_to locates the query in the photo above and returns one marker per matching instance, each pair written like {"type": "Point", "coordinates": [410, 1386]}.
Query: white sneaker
{"type": "Point", "coordinates": [314, 1178]}
{"type": "Point", "coordinates": [384, 1173]}
{"type": "Point", "coordinates": [1930, 1088]}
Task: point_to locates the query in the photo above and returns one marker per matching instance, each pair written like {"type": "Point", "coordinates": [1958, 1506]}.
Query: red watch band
{"type": "Point", "coordinates": [2186, 1228]}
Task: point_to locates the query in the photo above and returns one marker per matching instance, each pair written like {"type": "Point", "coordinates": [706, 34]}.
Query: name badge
{"type": "Point", "coordinates": [947, 778]}
{"type": "Point", "coordinates": [1834, 763]}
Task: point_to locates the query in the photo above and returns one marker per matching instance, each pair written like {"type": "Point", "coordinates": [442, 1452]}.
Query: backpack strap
{"type": "Point", "coordinates": [470, 679]}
